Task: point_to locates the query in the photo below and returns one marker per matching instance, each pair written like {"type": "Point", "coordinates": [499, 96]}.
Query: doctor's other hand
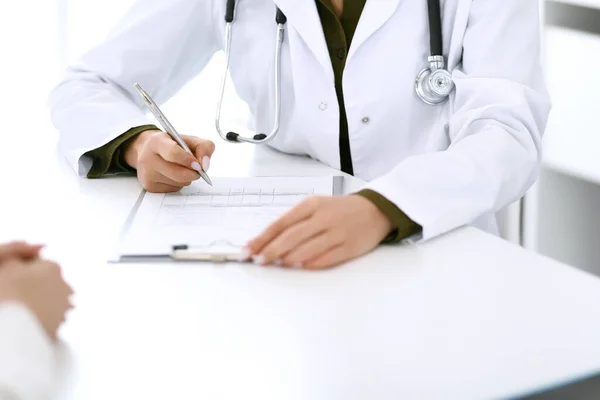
{"type": "Point", "coordinates": [40, 287]}
{"type": "Point", "coordinates": [321, 232]}
{"type": "Point", "coordinates": [162, 165]}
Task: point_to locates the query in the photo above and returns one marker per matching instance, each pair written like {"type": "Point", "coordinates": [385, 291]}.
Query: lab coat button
{"type": "Point", "coordinates": [323, 106]}
{"type": "Point", "coordinates": [366, 120]}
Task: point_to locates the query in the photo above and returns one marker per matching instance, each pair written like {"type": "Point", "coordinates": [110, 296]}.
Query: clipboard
{"type": "Point", "coordinates": [217, 252]}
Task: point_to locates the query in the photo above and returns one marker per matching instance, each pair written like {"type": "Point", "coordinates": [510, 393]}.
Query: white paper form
{"type": "Point", "coordinates": [233, 210]}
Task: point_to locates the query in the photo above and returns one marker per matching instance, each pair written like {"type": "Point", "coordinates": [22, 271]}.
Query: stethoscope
{"type": "Point", "coordinates": [433, 84]}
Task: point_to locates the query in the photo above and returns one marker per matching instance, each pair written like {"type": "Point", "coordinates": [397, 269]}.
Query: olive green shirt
{"type": "Point", "coordinates": [338, 35]}
{"type": "Point", "coordinates": [110, 158]}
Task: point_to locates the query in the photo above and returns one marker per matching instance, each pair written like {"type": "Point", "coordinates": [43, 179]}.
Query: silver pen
{"type": "Point", "coordinates": [168, 127]}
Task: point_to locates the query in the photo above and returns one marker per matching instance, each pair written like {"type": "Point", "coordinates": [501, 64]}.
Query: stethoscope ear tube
{"type": "Point", "coordinates": [257, 138]}
{"type": "Point", "coordinates": [235, 137]}
{"type": "Point", "coordinates": [229, 11]}
{"type": "Point", "coordinates": [280, 17]}
{"type": "Point", "coordinates": [435, 27]}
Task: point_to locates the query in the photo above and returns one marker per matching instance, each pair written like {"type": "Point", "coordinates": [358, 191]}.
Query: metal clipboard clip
{"type": "Point", "coordinates": [219, 251]}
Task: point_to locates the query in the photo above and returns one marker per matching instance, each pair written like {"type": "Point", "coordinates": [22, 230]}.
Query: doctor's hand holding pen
{"type": "Point", "coordinates": [27, 279]}
{"type": "Point", "coordinates": [164, 166]}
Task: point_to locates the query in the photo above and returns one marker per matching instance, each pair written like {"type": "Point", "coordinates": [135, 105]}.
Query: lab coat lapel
{"type": "Point", "coordinates": [460, 24]}
{"type": "Point", "coordinates": [374, 15]}
{"type": "Point", "coordinates": [304, 17]}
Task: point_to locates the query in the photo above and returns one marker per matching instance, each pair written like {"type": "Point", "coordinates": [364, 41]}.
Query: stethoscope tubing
{"type": "Point", "coordinates": [423, 83]}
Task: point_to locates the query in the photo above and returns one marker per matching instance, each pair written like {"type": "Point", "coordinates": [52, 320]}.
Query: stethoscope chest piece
{"type": "Point", "coordinates": [434, 84]}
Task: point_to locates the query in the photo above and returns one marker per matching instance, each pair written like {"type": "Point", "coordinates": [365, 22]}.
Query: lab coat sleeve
{"type": "Point", "coordinates": [161, 44]}
{"type": "Point", "coordinates": [27, 357]}
{"type": "Point", "coordinates": [498, 115]}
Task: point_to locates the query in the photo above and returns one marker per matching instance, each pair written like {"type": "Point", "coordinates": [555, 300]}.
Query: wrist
{"type": "Point", "coordinates": [133, 147]}
{"type": "Point", "coordinates": [381, 218]}
{"type": "Point", "coordinates": [386, 222]}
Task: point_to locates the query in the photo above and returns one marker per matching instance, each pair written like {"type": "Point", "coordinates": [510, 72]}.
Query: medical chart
{"type": "Point", "coordinates": [232, 211]}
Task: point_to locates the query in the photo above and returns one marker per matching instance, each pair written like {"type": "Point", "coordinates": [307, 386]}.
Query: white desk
{"type": "Point", "coordinates": [465, 316]}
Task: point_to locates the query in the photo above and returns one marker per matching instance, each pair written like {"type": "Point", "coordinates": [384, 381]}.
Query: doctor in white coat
{"type": "Point", "coordinates": [429, 168]}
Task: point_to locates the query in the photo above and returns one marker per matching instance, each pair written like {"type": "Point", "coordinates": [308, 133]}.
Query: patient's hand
{"type": "Point", "coordinates": [19, 251]}
{"type": "Point", "coordinates": [38, 285]}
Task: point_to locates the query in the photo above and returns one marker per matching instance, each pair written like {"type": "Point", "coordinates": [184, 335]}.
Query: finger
{"type": "Point", "coordinates": [202, 149]}
{"type": "Point", "coordinates": [32, 252]}
{"type": "Point", "coordinates": [53, 266]}
{"type": "Point", "coordinates": [19, 250]}
{"type": "Point", "coordinates": [170, 151]}
{"type": "Point", "coordinates": [155, 182]}
{"type": "Point", "coordinates": [156, 187]}
{"type": "Point", "coordinates": [299, 213]}
{"type": "Point", "coordinates": [312, 249]}
{"type": "Point", "coordinates": [289, 239]}
{"type": "Point", "coordinates": [176, 173]}
{"type": "Point", "coordinates": [164, 188]}
{"type": "Point", "coordinates": [331, 258]}
{"type": "Point", "coordinates": [12, 249]}
{"type": "Point", "coordinates": [160, 178]}
{"type": "Point", "coordinates": [68, 288]}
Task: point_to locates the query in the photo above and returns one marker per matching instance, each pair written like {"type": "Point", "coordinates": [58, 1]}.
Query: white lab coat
{"type": "Point", "coordinates": [27, 356]}
{"type": "Point", "coordinates": [444, 166]}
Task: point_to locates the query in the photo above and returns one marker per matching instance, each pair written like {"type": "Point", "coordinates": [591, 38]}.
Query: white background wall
{"type": "Point", "coordinates": [569, 188]}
